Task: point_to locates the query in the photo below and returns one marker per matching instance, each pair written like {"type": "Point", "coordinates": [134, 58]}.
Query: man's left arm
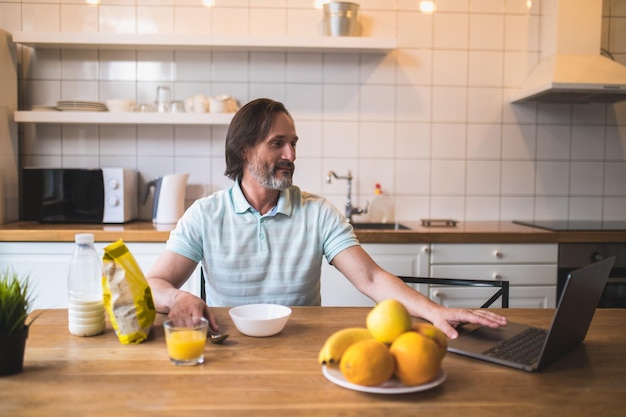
{"type": "Point", "coordinates": [373, 281]}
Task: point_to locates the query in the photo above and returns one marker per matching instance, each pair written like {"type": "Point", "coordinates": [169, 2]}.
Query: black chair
{"type": "Point", "coordinates": [502, 292]}
{"type": "Point", "coordinates": [202, 285]}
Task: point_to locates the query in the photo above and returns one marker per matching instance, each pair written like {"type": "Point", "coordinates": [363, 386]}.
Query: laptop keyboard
{"type": "Point", "coordinates": [523, 348]}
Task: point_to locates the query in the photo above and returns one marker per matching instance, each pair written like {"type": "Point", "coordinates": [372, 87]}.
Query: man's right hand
{"type": "Point", "coordinates": [185, 304]}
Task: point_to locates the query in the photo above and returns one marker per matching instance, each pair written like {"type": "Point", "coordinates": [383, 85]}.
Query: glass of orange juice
{"type": "Point", "coordinates": [185, 340]}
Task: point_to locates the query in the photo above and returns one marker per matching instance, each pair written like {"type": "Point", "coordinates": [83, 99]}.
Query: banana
{"type": "Point", "coordinates": [339, 341]}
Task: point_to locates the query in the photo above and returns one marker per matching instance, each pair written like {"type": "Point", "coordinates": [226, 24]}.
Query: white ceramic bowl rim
{"type": "Point", "coordinates": [260, 312]}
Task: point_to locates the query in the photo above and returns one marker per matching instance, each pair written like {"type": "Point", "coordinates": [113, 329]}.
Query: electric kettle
{"type": "Point", "coordinates": [169, 198]}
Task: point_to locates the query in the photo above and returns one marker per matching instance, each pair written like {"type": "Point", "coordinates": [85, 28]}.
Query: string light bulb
{"type": "Point", "coordinates": [319, 4]}
{"type": "Point", "coordinates": [427, 6]}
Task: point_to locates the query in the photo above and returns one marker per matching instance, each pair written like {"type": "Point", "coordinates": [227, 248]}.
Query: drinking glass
{"type": "Point", "coordinates": [185, 340]}
{"type": "Point", "coordinates": [143, 108]}
{"type": "Point", "coordinates": [177, 107]}
{"type": "Point", "coordinates": [164, 99]}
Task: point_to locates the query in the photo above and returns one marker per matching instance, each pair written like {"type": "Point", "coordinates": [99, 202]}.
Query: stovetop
{"type": "Point", "coordinates": [574, 225]}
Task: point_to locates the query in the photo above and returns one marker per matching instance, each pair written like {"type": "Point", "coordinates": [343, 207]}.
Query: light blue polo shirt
{"type": "Point", "coordinates": [274, 258]}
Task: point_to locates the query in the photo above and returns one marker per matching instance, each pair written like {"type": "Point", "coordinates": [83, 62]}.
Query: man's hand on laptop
{"type": "Point", "coordinates": [454, 317]}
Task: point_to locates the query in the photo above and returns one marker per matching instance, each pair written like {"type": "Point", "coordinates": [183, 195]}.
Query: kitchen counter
{"type": "Point", "coordinates": [129, 232]}
{"type": "Point", "coordinates": [279, 376]}
{"type": "Point", "coordinates": [463, 232]}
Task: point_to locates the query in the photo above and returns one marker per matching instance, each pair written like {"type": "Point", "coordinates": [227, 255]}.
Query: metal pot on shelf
{"type": "Point", "coordinates": [340, 19]}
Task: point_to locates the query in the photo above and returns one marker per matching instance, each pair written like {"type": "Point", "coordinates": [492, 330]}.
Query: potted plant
{"type": "Point", "coordinates": [14, 308]}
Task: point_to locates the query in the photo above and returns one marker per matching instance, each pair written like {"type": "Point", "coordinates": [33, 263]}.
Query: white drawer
{"type": "Point", "coordinates": [515, 274]}
{"type": "Point", "coordinates": [494, 253]}
{"type": "Point", "coordinates": [519, 297]}
{"type": "Point", "coordinates": [532, 297]}
{"type": "Point", "coordinates": [464, 297]}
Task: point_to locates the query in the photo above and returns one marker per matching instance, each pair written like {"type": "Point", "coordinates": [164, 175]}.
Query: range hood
{"type": "Point", "coordinates": [572, 69]}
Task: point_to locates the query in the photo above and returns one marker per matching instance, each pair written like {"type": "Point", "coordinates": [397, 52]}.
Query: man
{"type": "Point", "coordinates": [263, 240]}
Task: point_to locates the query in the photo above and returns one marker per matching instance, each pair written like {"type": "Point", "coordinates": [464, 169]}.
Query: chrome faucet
{"type": "Point", "coordinates": [350, 211]}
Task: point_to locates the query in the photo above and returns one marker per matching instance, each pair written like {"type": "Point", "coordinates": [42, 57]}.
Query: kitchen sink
{"type": "Point", "coordinates": [380, 226]}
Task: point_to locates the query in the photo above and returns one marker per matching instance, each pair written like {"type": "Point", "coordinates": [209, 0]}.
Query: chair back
{"type": "Point", "coordinates": [503, 286]}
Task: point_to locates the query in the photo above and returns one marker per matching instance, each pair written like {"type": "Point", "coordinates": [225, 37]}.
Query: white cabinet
{"type": "Point", "coordinates": [47, 264]}
{"type": "Point", "coordinates": [531, 270]}
{"type": "Point", "coordinates": [399, 259]}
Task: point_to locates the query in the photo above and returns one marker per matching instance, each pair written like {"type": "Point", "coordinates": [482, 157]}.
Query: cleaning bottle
{"type": "Point", "coordinates": [381, 208]}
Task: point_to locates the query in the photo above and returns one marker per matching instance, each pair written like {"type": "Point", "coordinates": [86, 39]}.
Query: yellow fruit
{"type": "Point", "coordinates": [431, 332]}
{"type": "Point", "coordinates": [418, 358]}
{"type": "Point", "coordinates": [367, 362]}
{"type": "Point", "coordinates": [388, 320]}
{"type": "Point", "coordinates": [338, 342]}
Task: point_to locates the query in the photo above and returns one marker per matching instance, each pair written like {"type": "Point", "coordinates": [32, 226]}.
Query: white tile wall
{"type": "Point", "coordinates": [430, 121]}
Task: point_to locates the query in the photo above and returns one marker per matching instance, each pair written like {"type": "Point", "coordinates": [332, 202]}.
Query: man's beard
{"type": "Point", "coordinates": [265, 175]}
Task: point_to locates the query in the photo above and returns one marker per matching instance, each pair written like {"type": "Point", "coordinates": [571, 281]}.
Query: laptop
{"type": "Point", "coordinates": [530, 348]}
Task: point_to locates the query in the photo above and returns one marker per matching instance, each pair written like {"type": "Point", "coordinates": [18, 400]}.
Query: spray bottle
{"type": "Point", "coordinates": [381, 208]}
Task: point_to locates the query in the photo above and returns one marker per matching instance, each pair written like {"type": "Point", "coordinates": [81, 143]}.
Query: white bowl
{"type": "Point", "coordinates": [119, 105]}
{"type": "Point", "coordinates": [260, 320]}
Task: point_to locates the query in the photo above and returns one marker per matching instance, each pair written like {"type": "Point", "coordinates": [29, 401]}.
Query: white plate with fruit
{"type": "Point", "coordinates": [391, 355]}
{"type": "Point", "coordinates": [391, 386]}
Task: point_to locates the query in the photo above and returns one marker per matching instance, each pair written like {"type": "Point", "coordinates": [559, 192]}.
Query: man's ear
{"type": "Point", "coordinates": [246, 153]}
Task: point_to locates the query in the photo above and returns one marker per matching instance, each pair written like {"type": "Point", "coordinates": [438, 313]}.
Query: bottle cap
{"type": "Point", "coordinates": [83, 238]}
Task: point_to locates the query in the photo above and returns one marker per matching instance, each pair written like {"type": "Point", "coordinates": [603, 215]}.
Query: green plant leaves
{"type": "Point", "coordinates": [14, 301]}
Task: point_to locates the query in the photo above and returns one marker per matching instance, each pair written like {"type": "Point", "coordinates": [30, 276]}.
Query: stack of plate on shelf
{"type": "Point", "coordinates": [44, 108]}
{"type": "Point", "coordinates": [70, 105]}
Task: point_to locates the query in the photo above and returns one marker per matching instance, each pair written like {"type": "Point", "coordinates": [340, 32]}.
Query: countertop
{"type": "Point", "coordinates": [65, 375]}
{"type": "Point", "coordinates": [463, 232]}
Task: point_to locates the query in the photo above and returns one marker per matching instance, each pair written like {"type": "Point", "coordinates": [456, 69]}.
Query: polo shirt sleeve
{"type": "Point", "coordinates": [337, 232]}
{"type": "Point", "coordinates": [186, 238]}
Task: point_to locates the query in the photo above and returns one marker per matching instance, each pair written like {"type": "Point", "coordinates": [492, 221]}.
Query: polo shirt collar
{"type": "Point", "coordinates": [284, 206]}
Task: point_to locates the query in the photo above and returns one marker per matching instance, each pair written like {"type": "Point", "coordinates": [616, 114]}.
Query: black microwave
{"type": "Point", "coordinates": [62, 195]}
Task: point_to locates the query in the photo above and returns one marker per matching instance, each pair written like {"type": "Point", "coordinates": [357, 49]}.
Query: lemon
{"type": "Point", "coordinates": [388, 320]}
{"type": "Point", "coordinates": [417, 358]}
{"type": "Point", "coordinates": [367, 362]}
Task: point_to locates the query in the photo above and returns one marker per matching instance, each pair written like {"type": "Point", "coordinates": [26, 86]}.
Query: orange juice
{"type": "Point", "coordinates": [185, 338]}
{"type": "Point", "coordinates": [186, 345]}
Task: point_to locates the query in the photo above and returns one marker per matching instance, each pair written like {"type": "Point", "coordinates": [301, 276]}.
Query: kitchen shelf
{"type": "Point", "coordinates": [82, 117]}
{"type": "Point", "coordinates": [112, 41]}
{"type": "Point", "coordinates": [68, 40]}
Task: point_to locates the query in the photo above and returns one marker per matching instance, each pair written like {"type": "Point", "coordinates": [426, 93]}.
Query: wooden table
{"type": "Point", "coordinates": [66, 375]}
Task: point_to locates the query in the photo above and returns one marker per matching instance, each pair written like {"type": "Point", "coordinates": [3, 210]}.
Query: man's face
{"type": "Point", "coordinates": [271, 162]}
